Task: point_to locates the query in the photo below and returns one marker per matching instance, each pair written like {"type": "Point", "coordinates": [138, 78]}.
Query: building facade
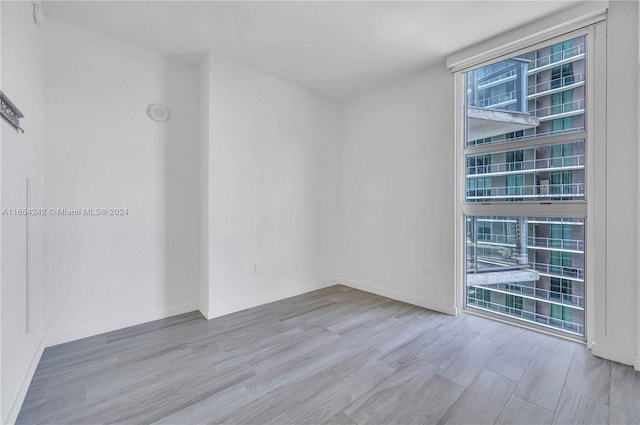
{"type": "Point", "coordinates": [502, 251]}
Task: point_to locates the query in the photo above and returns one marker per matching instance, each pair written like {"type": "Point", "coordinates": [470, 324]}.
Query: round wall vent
{"type": "Point", "coordinates": [158, 112]}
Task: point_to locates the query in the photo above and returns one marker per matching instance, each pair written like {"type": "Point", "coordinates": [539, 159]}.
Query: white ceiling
{"type": "Point", "coordinates": [338, 49]}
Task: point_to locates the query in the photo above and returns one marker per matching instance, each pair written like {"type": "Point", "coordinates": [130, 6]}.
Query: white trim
{"type": "Point", "coordinates": [611, 352]}
{"type": "Point", "coordinates": [12, 415]}
{"type": "Point", "coordinates": [222, 309]}
{"type": "Point", "coordinates": [100, 328]}
{"type": "Point", "coordinates": [596, 183]}
{"type": "Point", "coordinates": [559, 209]}
{"type": "Point", "coordinates": [401, 296]}
{"type": "Point", "coordinates": [461, 189]}
{"type": "Point", "coordinates": [580, 16]}
{"type": "Point", "coordinates": [636, 363]}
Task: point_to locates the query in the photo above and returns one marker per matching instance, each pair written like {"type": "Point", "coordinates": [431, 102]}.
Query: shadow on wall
{"type": "Point", "coordinates": [181, 184]}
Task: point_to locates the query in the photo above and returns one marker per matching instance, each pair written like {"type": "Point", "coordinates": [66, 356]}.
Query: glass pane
{"type": "Point", "coordinates": [529, 268]}
{"type": "Point", "coordinates": [546, 172]}
{"type": "Point", "coordinates": [535, 94]}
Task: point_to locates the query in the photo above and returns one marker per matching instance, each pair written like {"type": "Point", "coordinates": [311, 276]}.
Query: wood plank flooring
{"type": "Point", "coordinates": [333, 356]}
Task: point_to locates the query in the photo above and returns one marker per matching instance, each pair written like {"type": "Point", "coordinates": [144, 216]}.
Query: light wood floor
{"type": "Point", "coordinates": [337, 356]}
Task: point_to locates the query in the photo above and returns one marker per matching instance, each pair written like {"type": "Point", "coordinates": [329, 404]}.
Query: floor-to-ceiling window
{"type": "Point", "coordinates": [525, 205]}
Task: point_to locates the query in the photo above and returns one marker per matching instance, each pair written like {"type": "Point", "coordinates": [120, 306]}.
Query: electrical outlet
{"type": "Point", "coordinates": [426, 269]}
{"type": "Point", "coordinates": [257, 267]}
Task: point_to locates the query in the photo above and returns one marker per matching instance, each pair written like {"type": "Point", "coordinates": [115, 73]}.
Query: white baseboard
{"type": "Point", "coordinates": [204, 311]}
{"type": "Point", "coordinates": [400, 296]}
{"type": "Point", "coordinates": [218, 310]}
{"type": "Point", "coordinates": [12, 416]}
{"type": "Point", "coordinates": [636, 363]}
{"type": "Point", "coordinates": [99, 328]}
{"type": "Point", "coordinates": [614, 353]}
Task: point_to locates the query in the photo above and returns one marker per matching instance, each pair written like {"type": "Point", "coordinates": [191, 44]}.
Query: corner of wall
{"type": "Point", "coordinates": [14, 410]}
{"type": "Point", "coordinates": [400, 296]}
{"type": "Point", "coordinates": [219, 310]}
{"type": "Point", "coordinates": [205, 130]}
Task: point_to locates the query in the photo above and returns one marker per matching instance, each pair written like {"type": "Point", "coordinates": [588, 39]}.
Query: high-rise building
{"type": "Point", "coordinates": [531, 268]}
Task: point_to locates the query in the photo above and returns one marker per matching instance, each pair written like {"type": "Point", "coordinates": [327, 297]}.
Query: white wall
{"type": "Point", "coordinates": [396, 190]}
{"type": "Point", "coordinates": [102, 151]}
{"type": "Point", "coordinates": [22, 157]}
{"type": "Point", "coordinates": [615, 327]}
{"type": "Point", "coordinates": [270, 175]}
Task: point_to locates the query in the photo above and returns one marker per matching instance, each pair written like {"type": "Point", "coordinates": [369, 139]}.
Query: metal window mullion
{"type": "Point", "coordinates": [571, 209]}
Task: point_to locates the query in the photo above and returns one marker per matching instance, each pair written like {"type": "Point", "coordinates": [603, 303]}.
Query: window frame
{"type": "Point", "coordinates": [591, 209]}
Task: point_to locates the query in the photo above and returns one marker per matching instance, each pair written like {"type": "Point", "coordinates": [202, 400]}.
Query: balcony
{"type": "Point", "coordinates": [527, 316]}
{"type": "Point", "coordinates": [569, 190]}
{"type": "Point", "coordinates": [572, 162]}
{"type": "Point", "coordinates": [568, 109]}
{"type": "Point", "coordinates": [548, 220]}
{"type": "Point", "coordinates": [494, 239]}
{"type": "Point", "coordinates": [497, 100]}
{"type": "Point", "coordinates": [555, 86]}
{"type": "Point", "coordinates": [554, 244]}
{"type": "Point", "coordinates": [572, 54]}
{"type": "Point", "coordinates": [570, 273]}
{"type": "Point", "coordinates": [537, 294]}
{"type": "Point", "coordinates": [533, 242]}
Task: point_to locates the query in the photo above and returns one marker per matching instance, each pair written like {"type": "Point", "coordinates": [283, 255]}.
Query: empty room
{"type": "Point", "coordinates": [320, 212]}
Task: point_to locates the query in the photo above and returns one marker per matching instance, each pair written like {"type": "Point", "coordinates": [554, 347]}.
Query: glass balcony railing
{"type": "Point", "coordinates": [531, 165]}
{"type": "Point", "coordinates": [565, 325]}
{"type": "Point", "coordinates": [494, 238]}
{"type": "Point", "coordinates": [551, 220]}
{"type": "Point", "coordinates": [550, 112]}
{"type": "Point", "coordinates": [556, 83]}
{"type": "Point", "coordinates": [559, 271]}
{"type": "Point", "coordinates": [569, 190]}
{"type": "Point", "coordinates": [533, 242]}
{"type": "Point", "coordinates": [528, 316]}
{"type": "Point", "coordinates": [575, 52]}
{"type": "Point", "coordinates": [556, 244]}
{"type": "Point", "coordinates": [499, 100]}
{"type": "Point", "coordinates": [540, 294]}
{"type": "Point", "coordinates": [508, 73]}
{"type": "Point", "coordinates": [484, 256]}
